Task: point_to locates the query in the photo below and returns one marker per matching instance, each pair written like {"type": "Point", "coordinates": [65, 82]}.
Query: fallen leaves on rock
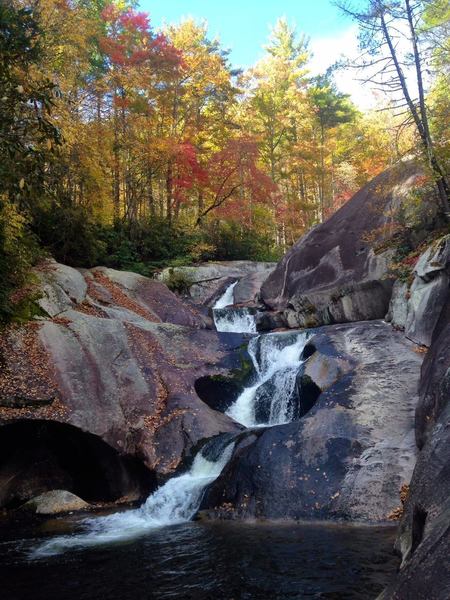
{"type": "Point", "coordinates": [26, 376]}
{"type": "Point", "coordinates": [397, 513]}
{"type": "Point", "coordinates": [118, 296]}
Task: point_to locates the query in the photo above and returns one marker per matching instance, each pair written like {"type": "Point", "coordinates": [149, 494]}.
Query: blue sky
{"type": "Point", "coordinates": [243, 25]}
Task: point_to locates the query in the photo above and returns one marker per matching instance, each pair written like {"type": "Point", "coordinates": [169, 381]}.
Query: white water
{"type": "Point", "coordinates": [276, 359]}
{"type": "Point", "coordinates": [176, 501]}
{"type": "Point", "coordinates": [232, 320]}
{"type": "Point", "coordinates": [227, 298]}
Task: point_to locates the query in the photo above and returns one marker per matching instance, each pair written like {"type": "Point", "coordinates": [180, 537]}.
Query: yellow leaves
{"type": "Point", "coordinates": [22, 183]}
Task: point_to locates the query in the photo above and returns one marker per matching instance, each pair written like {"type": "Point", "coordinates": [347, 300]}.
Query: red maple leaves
{"type": "Point", "coordinates": [130, 40]}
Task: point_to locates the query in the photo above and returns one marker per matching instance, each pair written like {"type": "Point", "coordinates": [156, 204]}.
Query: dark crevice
{"type": "Point", "coordinates": [39, 456]}
{"type": "Point", "coordinates": [308, 351]}
{"type": "Point", "coordinates": [217, 391]}
{"type": "Point", "coordinates": [418, 527]}
{"type": "Point", "coordinates": [307, 394]}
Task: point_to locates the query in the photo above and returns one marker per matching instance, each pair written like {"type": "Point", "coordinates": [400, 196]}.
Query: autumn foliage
{"type": "Point", "coordinates": [146, 146]}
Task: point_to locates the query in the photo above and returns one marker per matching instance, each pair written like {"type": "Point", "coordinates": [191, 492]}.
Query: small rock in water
{"type": "Point", "coordinates": [54, 502]}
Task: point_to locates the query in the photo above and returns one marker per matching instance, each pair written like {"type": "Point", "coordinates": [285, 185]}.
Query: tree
{"type": "Point", "coordinates": [234, 177]}
{"type": "Point", "coordinates": [27, 136]}
{"type": "Point", "coordinates": [331, 109]}
{"type": "Point", "coordinates": [392, 44]}
{"type": "Point", "coordinates": [275, 111]}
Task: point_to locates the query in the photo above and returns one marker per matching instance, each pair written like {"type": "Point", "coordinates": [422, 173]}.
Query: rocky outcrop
{"type": "Point", "coordinates": [55, 502]}
{"type": "Point", "coordinates": [338, 271]}
{"type": "Point", "coordinates": [206, 282]}
{"type": "Point", "coordinates": [106, 363]}
{"type": "Point", "coordinates": [114, 294]}
{"type": "Point", "coordinates": [348, 457]}
{"type": "Point", "coordinates": [424, 536]}
{"type": "Point", "coordinates": [416, 308]}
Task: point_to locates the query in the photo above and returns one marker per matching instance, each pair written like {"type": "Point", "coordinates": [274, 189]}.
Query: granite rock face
{"type": "Point", "coordinates": [209, 280]}
{"type": "Point", "coordinates": [346, 458]}
{"type": "Point", "coordinates": [429, 292]}
{"type": "Point", "coordinates": [118, 358]}
{"type": "Point", "coordinates": [424, 535]}
{"type": "Point", "coordinates": [417, 308]}
{"type": "Point", "coordinates": [335, 273]}
{"type": "Point", "coordinates": [114, 294]}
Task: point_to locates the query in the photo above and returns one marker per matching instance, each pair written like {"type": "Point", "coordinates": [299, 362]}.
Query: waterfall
{"type": "Point", "coordinates": [232, 320]}
{"type": "Point", "coordinates": [227, 298]}
{"type": "Point", "coordinates": [176, 501]}
{"type": "Point", "coordinates": [271, 400]}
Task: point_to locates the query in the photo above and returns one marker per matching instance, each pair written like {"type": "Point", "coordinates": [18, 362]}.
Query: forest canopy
{"type": "Point", "coordinates": [135, 148]}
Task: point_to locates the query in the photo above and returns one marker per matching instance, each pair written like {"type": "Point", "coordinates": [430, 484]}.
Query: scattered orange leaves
{"type": "Point", "coordinates": [397, 513]}
{"type": "Point", "coordinates": [120, 297]}
{"type": "Point", "coordinates": [27, 376]}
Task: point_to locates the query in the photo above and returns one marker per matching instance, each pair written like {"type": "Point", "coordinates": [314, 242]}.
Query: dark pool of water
{"type": "Point", "coordinates": [202, 561]}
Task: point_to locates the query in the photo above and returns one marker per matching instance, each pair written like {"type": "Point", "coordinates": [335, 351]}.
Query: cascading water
{"type": "Point", "coordinates": [227, 298]}
{"type": "Point", "coordinates": [232, 320]}
{"type": "Point", "coordinates": [271, 399]}
{"type": "Point", "coordinates": [176, 501]}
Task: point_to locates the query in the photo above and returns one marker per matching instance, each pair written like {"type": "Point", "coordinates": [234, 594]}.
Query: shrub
{"type": "Point", "coordinates": [234, 241]}
{"type": "Point", "coordinates": [18, 251]}
{"type": "Point", "coordinates": [177, 281]}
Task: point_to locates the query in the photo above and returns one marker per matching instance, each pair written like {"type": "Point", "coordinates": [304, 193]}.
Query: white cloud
{"type": "Point", "coordinates": [327, 50]}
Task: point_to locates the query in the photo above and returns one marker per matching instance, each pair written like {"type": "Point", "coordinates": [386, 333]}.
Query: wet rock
{"type": "Point", "coordinates": [350, 454]}
{"type": "Point", "coordinates": [337, 272]}
{"type": "Point", "coordinates": [424, 534]}
{"type": "Point", "coordinates": [325, 366]}
{"type": "Point", "coordinates": [37, 456]}
{"type": "Point", "coordinates": [55, 502]}
{"type": "Point", "coordinates": [269, 320]}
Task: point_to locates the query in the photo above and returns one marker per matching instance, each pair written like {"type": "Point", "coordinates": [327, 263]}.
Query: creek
{"type": "Point", "coordinates": [157, 551]}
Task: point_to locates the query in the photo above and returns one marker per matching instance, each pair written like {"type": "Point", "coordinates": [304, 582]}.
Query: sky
{"type": "Point", "coordinates": [243, 26]}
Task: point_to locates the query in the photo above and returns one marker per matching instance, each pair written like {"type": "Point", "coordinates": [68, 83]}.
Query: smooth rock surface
{"type": "Point", "coordinates": [209, 279]}
{"type": "Point", "coordinates": [348, 457]}
{"type": "Point", "coordinates": [398, 306]}
{"type": "Point", "coordinates": [338, 271]}
{"type": "Point", "coordinates": [424, 535]}
{"type": "Point", "coordinates": [429, 292]}
{"type": "Point", "coordinates": [115, 370]}
{"type": "Point", "coordinates": [55, 502]}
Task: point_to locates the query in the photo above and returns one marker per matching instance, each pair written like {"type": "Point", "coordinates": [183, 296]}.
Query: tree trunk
{"type": "Point", "coordinates": [169, 191]}
{"type": "Point", "coordinates": [421, 124]}
{"type": "Point", "coordinates": [116, 169]}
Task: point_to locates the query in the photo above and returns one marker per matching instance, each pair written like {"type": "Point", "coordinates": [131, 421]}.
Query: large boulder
{"type": "Point", "coordinates": [416, 308]}
{"type": "Point", "coordinates": [349, 455]}
{"type": "Point", "coordinates": [107, 364]}
{"type": "Point", "coordinates": [107, 292]}
{"type": "Point", "coordinates": [424, 535]}
{"type": "Point", "coordinates": [55, 502]}
{"type": "Point", "coordinates": [338, 272]}
{"type": "Point", "coordinates": [206, 282]}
